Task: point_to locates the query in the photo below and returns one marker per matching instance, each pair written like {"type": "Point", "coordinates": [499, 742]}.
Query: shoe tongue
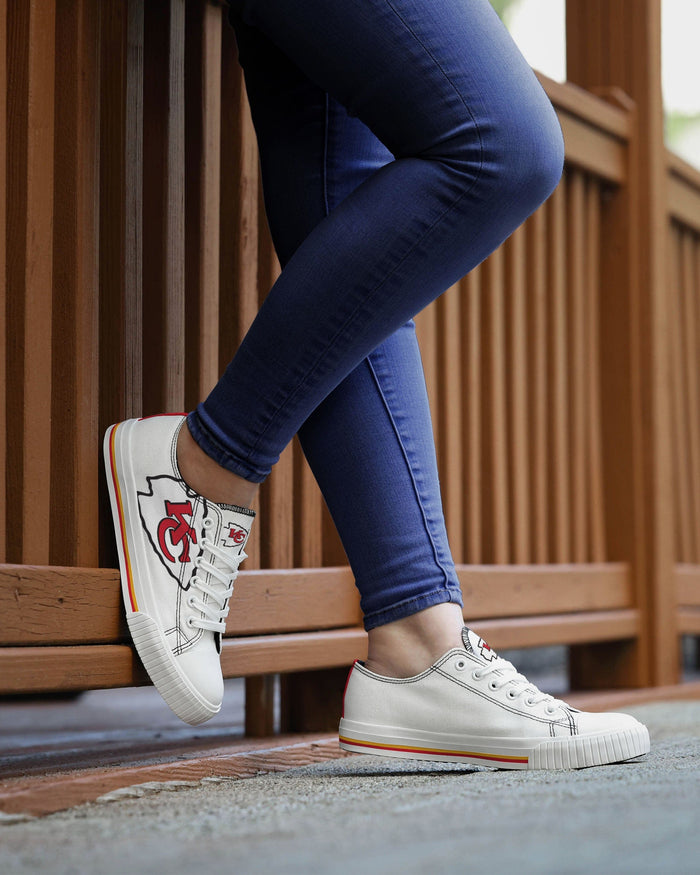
{"type": "Point", "coordinates": [478, 648]}
{"type": "Point", "coordinates": [235, 527]}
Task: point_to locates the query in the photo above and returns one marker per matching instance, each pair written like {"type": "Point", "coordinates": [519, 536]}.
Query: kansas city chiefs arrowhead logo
{"type": "Point", "coordinates": [485, 651]}
{"type": "Point", "coordinates": [476, 645]}
{"type": "Point", "coordinates": [170, 520]}
{"type": "Point", "coordinates": [233, 535]}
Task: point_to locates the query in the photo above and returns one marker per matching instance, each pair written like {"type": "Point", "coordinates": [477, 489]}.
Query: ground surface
{"type": "Point", "coordinates": [375, 815]}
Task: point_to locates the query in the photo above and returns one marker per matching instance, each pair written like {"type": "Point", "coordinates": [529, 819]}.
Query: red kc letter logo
{"type": "Point", "coordinates": [179, 530]}
{"type": "Point", "coordinates": [236, 535]}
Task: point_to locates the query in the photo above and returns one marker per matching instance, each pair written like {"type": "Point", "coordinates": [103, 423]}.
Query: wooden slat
{"type": "Point", "coordinates": [30, 114]}
{"type": "Point", "coordinates": [93, 666]}
{"type": "Point", "coordinates": [3, 275]}
{"type": "Point", "coordinates": [78, 606]}
{"type": "Point", "coordinates": [75, 395]}
{"type": "Point", "coordinates": [308, 515]}
{"type": "Point", "coordinates": [590, 150]}
{"type": "Point", "coordinates": [689, 290]}
{"type": "Point", "coordinates": [164, 206]}
{"type": "Point", "coordinates": [260, 706]}
{"type": "Point", "coordinates": [35, 669]}
{"type": "Point", "coordinates": [516, 275]}
{"type": "Point", "coordinates": [683, 191]}
{"type": "Point", "coordinates": [54, 605]}
{"type": "Point", "coordinates": [683, 535]}
{"type": "Point", "coordinates": [495, 434]}
{"type": "Point", "coordinates": [449, 417]}
{"type": "Point", "coordinates": [627, 55]}
{"type": "Point", "coordinates": [515, 590]}
{"type": "Point", "coordinates": [687, 584]}
{"type": "Point", "coordinates": [586, 107]}
{"type": "Point", "coordinates": [121, 200]}
{"type": "Point", "coordinates": [203, 182]}
{"type": "Point", "coordinates": [596, 505]}
{"type": "Point", "coordinates": [577, 343]}
{"type": "Point", "coordinates": [427, 334]}
{"type": "Point", "coordinates": [300, 652]}
{"type": "Point", "coordinates": [538, 333]}
{"type": "Point", "coordinates": [473, 486]}
{"type": "Point", "coordinates": [689, 621]}
{"type": "Point", "coordinates": [560, 500]}
{"type": "Point", "coordinates": [560, 629]}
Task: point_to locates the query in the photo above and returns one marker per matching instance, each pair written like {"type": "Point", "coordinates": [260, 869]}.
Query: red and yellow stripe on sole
{"type": "Point", "coordinates": [122, 523]}
{"type": "Point", "coordinates": [433, 751]}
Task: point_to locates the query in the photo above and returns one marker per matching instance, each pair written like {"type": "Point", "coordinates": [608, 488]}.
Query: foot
{"type": "Point", "coordinates": [472, 706]}
{"type": "Point", "coordinates": [179, 555]}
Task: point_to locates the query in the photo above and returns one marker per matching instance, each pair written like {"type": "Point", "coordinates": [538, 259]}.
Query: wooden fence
{"type": "Point", "coordinates": [562, 374]}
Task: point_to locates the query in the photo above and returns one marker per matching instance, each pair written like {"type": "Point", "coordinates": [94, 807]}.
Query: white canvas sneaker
{"type": "Point", "coordinates": [472, 706]}
{"type": "Point", "coordinates": [178, 556]}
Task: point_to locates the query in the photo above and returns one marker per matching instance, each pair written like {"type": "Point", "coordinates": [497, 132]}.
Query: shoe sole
{"type": "Point", "coordinates": [577, 752]}
{"type": "Point", "coordinates": [148, 637]}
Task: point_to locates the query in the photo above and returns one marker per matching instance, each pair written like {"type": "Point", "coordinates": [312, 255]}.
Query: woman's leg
{"type": "Point", "coordinates": [370, 442]}
{"type": "Point", "coordinates": [477, 148]}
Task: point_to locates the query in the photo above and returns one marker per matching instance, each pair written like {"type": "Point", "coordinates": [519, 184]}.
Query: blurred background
{"type": "Point", "coordinates": [538, 27]}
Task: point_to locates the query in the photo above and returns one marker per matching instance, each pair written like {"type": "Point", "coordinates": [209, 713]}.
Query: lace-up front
{"type": "Point", "coordinates": [502, 673]}
{"type": "Point", "coordinates": [220, 565]}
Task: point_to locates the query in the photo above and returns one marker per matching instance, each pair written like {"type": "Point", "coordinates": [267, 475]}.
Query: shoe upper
{"type": "Point", "coordinates": [185, 550]}
{"type": "Point", "coordinates": [468, 691]}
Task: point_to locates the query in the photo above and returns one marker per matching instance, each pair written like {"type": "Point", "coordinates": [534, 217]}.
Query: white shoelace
{"type": "Point", "coordinates": [504, 674]}
{"type": "Point", "coordinates": [225, 572]}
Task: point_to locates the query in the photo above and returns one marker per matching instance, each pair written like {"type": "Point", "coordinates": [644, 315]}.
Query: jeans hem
{"type": "Point", "coordinates": [203, 437]}
{"type": "Point", "coordinates": [412, 606]}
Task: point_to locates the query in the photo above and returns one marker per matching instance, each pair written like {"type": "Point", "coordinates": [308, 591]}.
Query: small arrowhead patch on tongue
{"type": "Point", "coordinates": [477, 646]}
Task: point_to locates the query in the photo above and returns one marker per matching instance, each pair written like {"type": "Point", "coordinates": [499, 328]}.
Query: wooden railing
{"type": "Point", "coordinates": [136, 256]}
{"type": "Point", "coordinates": [684, 328]}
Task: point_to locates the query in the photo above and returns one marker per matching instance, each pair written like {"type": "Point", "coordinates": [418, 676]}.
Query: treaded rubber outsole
{"type": "Point", "coordinates": [147, 636]}
{"type": "Point", "coordinates": [575, 752]}
{"type": "Point", "coordinates": [158, 661]}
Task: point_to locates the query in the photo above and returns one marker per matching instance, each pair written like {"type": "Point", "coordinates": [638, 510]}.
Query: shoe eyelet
{"type": "Point", "coordinates": [190, 601]}
{"type": "Point", "coordinates": [530, 702]}
{"type": "Point", "coordinates": [493, 685]}
{"type": "Point", "coordinates": [208, 523]}
{"type": "Point", "coordinates": [511, 694]}
{"type": "Point", "coordinates": [476, 674]}
{"type": "Point", "coordinates": [461, 664]}
{"type": "Point", "coordinates": [190, 622]}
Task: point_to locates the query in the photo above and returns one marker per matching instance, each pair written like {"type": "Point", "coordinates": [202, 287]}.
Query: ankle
{"type": "Point", "coordinates": [408, 646]}
{"type": "Point", "coordinates": [206, 477]}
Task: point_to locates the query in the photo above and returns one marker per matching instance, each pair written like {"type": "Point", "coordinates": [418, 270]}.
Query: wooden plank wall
{"type": "Point", "coordinates": [513, 358]}
{"type": "Point", "coordinates": [136, 254]}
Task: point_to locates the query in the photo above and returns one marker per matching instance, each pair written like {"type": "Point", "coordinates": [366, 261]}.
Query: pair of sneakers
{"type": "Point", "coordinates": [179, 556]}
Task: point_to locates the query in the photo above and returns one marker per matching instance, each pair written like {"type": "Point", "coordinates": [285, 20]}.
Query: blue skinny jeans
{"type": "Point", "coordinates": [400, 142]}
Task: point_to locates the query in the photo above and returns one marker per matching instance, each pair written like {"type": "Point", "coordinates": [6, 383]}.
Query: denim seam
{"type": "Point", "coordinates": [406, 457]}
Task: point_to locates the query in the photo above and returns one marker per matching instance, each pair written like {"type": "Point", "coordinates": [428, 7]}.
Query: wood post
{"type": "Point", "coordinates": [30, 188]}
{"type": "Point", "coordinates": [614, 49]}
{"type": "Point", "coordinates": [3, 281]}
